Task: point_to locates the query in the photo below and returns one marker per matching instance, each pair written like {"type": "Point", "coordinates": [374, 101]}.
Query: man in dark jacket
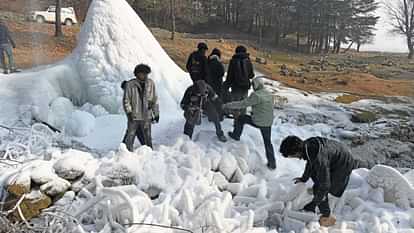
{"type": "Point", "coordinates": [140, 103]}
{"type": "Point", "coordinates": [239, 74]}
{"type": "Point", "coordinates": [6, 43]}
{"type": "Point", "coordinates": [328, 163]}
{"type": "Point", "coordinates": [197, 63]}
{"type": "Point", "coordinates": [197, 98]}
{"type": "Point", "coordinates": [216, 72]}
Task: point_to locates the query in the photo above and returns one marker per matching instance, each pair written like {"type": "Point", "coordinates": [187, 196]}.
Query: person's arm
{"type": "Point", "coordinates": [250, 69]}
{"type": "Point", "coordinates": [155, 106]}
{"type": "Point", "coordinates": [306, 174]}
{"type": "Point", "coordinates": [10, 38]}
{"type": "Point", "coordinates": [221, 70]}
{"type": "Point", "coordinates": [230, 76]}
{"type": "Point", "coordinates": [252, 100]}
{"type": "Point", "coordinates": [127, 100]}
{"type": "Point", "coordinates": [186, 99]}
{"type": "Point", "coordinates": [188, 66]}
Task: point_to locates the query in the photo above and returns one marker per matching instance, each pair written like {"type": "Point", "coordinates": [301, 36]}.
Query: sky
{"type": "Point", "coordinates": [384, 40]}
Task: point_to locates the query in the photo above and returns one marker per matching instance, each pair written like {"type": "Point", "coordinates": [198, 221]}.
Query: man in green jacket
{"type": "Point", "coordinates": [261, 101]}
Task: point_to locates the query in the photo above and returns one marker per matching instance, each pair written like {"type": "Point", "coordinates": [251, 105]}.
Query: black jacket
{"type": "Point", "coordinates": [197, 66]}
{"type": "Point", "coordinates": [215, 74]}
{"type": "Point", "coordinates": [240, 72]}
{"type": "Point", "coordinates": [5, 37]}
{"type": "Point", "coordinates": [329, 164]}
{"type": "Point", "coordinates": [194, 101]}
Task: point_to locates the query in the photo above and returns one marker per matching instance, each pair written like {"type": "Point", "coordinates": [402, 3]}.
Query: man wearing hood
{"type": "Point", "coordinates": [6, 44]}
{"type": "Point", "coordinates": [261, 101]}
{"type": "Point", "coordinates": [197, 63]}
{"type": "Point", "coordinates": [216, 72]}
{"type": "Point", "coordinates": [198, 98]}
{"type": "Point", "coordinates": [328, 163]}
{"type": "Point", "coordinates": [140, 103]}
{"type": "Point", "coordinates": [239, 74]}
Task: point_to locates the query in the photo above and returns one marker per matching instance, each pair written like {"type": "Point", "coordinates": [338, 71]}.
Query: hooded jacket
{"type": "Point", "coordinates": [215, 73]}
{"type": "Point", "coordinates": [197, 66]}
{"type": "Point", "coordinates": [329, 164]}
{"type": "Point", "coordinates": [261, 101]}
{"type": "Point", "coordinates": [5, 38]}
{"type": "Point", "coordinates": [141, 103]}
{"type": "Point", "coordinates": [240, 72]}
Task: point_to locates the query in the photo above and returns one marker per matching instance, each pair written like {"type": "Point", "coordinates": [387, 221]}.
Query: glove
{"type": "Point", "coordinates": [156, 118]}
{"type": "Point", "coordinates": [310, 207]}
{"type": "Point", "coordinates": [299, 180]}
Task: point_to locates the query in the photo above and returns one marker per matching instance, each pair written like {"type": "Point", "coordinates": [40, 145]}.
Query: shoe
{"type": "Point", "coordinates": [14, 71]}
{"type": "Point", "coordinates": [5, 72]}
{"type": "Point", "coordinates": [222, 138]}
{"type": "Point", "coordinates": [231, 134]}
{"type": "Point", "coordinates": [271, 166]}
{"type": "Point", "coordinates": [327, 221]}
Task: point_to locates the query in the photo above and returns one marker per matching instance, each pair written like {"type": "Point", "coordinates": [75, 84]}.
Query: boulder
{"type": "Point", "coordinates": [73, 165]}
{"type": "Point", "coordinates": [42, 173]}
{"type": "Point", "coordinates": [19, 185]}
{"type": "Point", "coordinates": [364, 117]}
{"type": "Point", "coordinates": [31, 206]}
{"type": "Point", "coordinates": [56, 187]}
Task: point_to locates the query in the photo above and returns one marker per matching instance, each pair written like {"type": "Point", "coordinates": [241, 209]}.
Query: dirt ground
{"type": "Point", "coordinates": [36, 45]}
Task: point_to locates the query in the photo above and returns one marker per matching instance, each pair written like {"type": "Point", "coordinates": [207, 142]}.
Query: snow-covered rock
{"type": "Point", "coordinates": [60, 109]}
{"type": "Point", "coordinates": [228, 166]}
{"type": "Point", "coordinates": [73, 164]}
{"type": "Point", "coordinates": [42, 172]}
{"type": "Point", "coordinates": [397, 189]}
{"type": "Point", "coordinates": [19, 184]}
{"type": "Point", "coordinates": [80, 124]}
{"type": "Point", "coordinates": [55, 187]}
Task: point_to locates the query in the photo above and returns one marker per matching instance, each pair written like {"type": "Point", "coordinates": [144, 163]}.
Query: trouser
{"type": "Point", "coordinates": [265, 131]}
{"type": "Point", "coordinates": [139, 129]}
{"type": "Point", "coordinates": [189, 129]}
{"type": "Point", "coordinates": [238, 95]}
{"type": "Point", "coordinates": [324, 207]}
{"type": "Point", "coordinates": [9, 52]}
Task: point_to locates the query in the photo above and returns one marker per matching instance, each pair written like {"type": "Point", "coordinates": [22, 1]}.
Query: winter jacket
{"type": "Point", "coordinates": [215, 74]}
{"type": "Point", "coordinates": [240, 72]}
{"type": "Point", "coordinates": [195, 100]}
{"type": "Point", "coordinates": [140, 100]}
{"type": "Point", "coordinates": [329, 164]}
{"type": "Point", "coordinates": [261, 101]}
{"type": "Point", "coordinates": [197, 66]}
{"type": "Point", "coordinates": [5, 37]}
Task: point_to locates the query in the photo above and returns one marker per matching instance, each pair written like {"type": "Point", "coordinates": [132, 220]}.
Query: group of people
{"type": "Point", "coordinates": [328, 163]}
{"type": "Point", "coordinates": [6, 47]}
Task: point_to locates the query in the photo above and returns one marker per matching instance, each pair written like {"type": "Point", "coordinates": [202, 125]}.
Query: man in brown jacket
{"type": "Point", "coordinates": [140, 103]}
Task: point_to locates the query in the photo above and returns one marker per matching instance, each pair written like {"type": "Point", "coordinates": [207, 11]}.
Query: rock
{"type": "Point", "coordinates": [42, 173]}
{"type": "Point", "coordinates": [66, 199]}
{"type": "Point", "coordinates": [19, 185]}
{"type": "Point", "coordinates": [364, 117]}
{"type": "Point", "coordinates": [55, 187]}
{"type": "Point", "coordinates": [228, 165]}
{"type": "Point", "coordinates": [261, 60]}
{"type": "Point", "coordinates": [31, 206]}
{"type": "Point", "coordinates": [79, 184]}
{"type": "Point", "coordinates": [73, 165]}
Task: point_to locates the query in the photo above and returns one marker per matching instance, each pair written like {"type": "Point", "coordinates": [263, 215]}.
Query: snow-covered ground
{"type": "Point", "coordinates": [201, 185]}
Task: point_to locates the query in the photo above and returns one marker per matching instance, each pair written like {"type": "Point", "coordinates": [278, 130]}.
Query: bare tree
{"type": "Point", "coordinates": [172, 9]}
{"type": "Point", "coordinates": [58, 21]}
{"type": "Point", "coordinates": [402, 15]}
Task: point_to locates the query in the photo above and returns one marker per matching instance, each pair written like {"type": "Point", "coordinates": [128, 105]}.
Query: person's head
{"type": "Point", "coordinates": [201, 86]}
{"type": "Point", "coordinates": [216, 52]}
{"type": "Point", "coordinates": [202, 48]}
{"type": "Point", "coordinates": [292, 147]}
{"type": "Point", "coordinates": [141, 72]}
{"type": "Point", "coordinates": [241, 49]}
{"type": "Point", "coordinates": [258, 83]}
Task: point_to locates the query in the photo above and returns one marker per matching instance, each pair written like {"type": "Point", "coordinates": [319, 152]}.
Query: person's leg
{"type": "Point", "coordinates": [324, 207]}
{"type": "Point", "coordinates": [140, 133]}
{"type": "Point", "coordinates": [270, 154]}
{"type": "Point", "coordinates": [239, 125]}
{"type": "Point", "coordinates": [130, 134]}
{"type": "Point", "coordinates": [9, 52]}
{"type": "Point", "coordinates": [147, 134]}
{"type": "Point", "coordinates": [188, 129]}
{"type": "Point", "coordinates": [2, 60]}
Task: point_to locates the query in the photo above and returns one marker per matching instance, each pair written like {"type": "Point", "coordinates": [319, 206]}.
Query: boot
{"type": "Point", "coordinates": [271, 166]}
{"type": "Point", "coordinates": [5, 71]}
{"type": "Point", "coordinates": [222, 138]}
{"type": "Point", "coordinates": [231, 134]}
{"type": "Point", "coordinates": [327, 221]}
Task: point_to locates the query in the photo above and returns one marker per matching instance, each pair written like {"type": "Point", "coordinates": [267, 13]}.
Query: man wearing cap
{"type": "Point", "coordinates": [140, 103]}
{"type": "Point", "coordinates": [6, 43]}
{"type": "Point", "coordinates": [197, 63]}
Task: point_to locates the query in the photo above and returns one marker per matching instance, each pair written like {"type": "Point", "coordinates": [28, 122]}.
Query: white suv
{"type": "Point", "coordinates": [68, 16]}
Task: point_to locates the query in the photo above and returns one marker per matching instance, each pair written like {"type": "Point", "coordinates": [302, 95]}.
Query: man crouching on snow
{"type": "Point", "coordinates": [140, 103]}
{"type": "Point", "coordinates": [329, 164]}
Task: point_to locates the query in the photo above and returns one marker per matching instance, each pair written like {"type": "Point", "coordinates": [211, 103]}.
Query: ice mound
{"type": "Point", "coordinates": [113, 40]}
